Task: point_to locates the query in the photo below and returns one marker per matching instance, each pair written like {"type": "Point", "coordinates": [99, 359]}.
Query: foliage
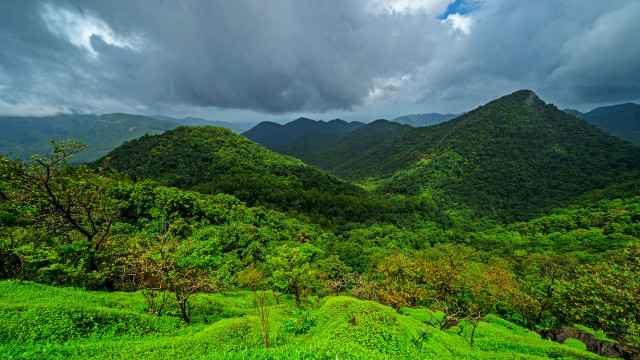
{"type": "Point", "coordinates": [65, 201]}
{"type": "Point", "coordinates": [163, 266]}
{"type": "Point", "coordinates": [290, 272]}
{"type": "Point", "coordinates": [604, 295]}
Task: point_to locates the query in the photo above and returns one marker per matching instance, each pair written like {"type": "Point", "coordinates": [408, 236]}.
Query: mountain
{"type": "Point", "coordinates": [328, 151]}
{"type": "Point", "coordinates": [622, 120]}
{"type": "Point", "coordinates": [25, 136]}
{"type": "Point", "coordinates": [574, 112]}
{"type": "Point", "coordinates": [510, 159]}
{"type": "Point", "coordinates": [429, 119]}
{"type": "Point", "coordinates": [214, 160]}
{"type": "Point", "coordinates": [270, 134]}
{"type": "Point", "coordinates": [191, 121]}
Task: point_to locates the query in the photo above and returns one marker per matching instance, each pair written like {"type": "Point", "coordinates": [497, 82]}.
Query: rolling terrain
{"type": "Point", "coordinates": [481, 237]}
{"type": "Point", "coordinates": [417, 120]}
{"type": "Point", "coordinates": [328, 151]}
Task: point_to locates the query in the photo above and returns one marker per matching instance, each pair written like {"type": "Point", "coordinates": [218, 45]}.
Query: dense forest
{"type": "Point", "coordinates": [510, 232]}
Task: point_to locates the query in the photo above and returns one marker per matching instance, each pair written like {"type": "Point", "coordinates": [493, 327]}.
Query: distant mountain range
{"type": "Point", "coordinates": [286, 137]}
{"type": "Point", "coordinates": [25, 136]}
{"type": "Point", "coordinates": [270, 134]}
{"type": "Point", "coordinates": [621, 120]}
{"type": "Point", "coordinates": [237, 128]}
{"type": "Point", "coordinates": [429, 119]}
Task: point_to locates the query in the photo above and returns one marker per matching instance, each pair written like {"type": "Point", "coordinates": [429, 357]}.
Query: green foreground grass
{"type": "Point", "coordinates": [44, 322]}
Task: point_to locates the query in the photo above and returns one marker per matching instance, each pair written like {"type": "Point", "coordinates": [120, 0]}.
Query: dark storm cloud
{"type": "Point", "coordinates": [281, 57]}
{"type": "Point", "coordinates": [287, 56]}
{"type": "Point", "coordinates": [575, 52]}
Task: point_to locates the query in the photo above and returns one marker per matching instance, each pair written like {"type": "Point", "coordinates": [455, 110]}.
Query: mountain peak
{"type": "Point", "coordinates": [302, 120]}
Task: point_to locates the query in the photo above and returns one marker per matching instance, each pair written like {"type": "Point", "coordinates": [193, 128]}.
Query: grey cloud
{"type": "Point", "coordinates": [571, 52]}
{"type": "Point", "coordinates": [294, 56]}
{"type": "Point", "coordinates": [282, 57]}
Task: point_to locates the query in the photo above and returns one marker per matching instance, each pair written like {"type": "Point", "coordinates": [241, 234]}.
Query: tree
{"type": "Point", "coordinates": [290, 272]}
{"type": "Point", "coordinates": [67, 199]}
{"type": "Point", "coordinates": [604, 295]}
{"type": "Point", "coordinates": [161, 267]}
{"type": "Point", "coordinates": [539, 276]}
{"type": "Point", "coordinates": [400, 283]}
{"type": "Point", "coordinates": [461, 288]}
{"type": "Point", "coordinates": [253, 279]}
{"type": "Point", "coordinates": [335, 274]}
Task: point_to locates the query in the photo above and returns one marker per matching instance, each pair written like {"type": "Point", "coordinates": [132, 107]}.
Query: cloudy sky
{"type": "Point", "coordinates": [279, 59]}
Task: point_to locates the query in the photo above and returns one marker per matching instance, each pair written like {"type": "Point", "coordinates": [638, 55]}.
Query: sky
{"type": "Point", "coordinates": [252, 60]}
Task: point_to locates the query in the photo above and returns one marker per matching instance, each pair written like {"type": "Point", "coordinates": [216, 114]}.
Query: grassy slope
{"type": "Point", "coordinates": [42, 322]}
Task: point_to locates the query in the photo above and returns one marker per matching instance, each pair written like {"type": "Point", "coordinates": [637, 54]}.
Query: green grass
{"type": "Point", "coordinates": [43, 322]}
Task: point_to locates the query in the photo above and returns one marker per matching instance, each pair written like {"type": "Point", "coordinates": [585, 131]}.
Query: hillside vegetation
{"type": "Point", "coordinates": [198, 243]}
{"type": "Point", "coordinates": [511, 159]}
{"type": "Point", "coordinates": [213, 160]}
{"type": "Point", "coordinates": [329, 151]}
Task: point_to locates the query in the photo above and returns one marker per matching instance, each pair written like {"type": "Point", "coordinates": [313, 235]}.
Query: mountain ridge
{"type": "Point", "coordinates": [270, 134]}
{"type": "Point", "coordinates": [621, 120]}
{"type": "Point", "coordinates": [514, 155]}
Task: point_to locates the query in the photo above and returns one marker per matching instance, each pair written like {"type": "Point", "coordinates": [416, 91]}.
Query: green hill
{"type": "Point", "coordinates": [329, 151]}
{"type": "Point", "coordinates": [25, 136]}
{"type": "Point", "coordinates": [511, 159]}
{"type": "Point", "coordinates": [622, 120]}
{"type": "Point", "coordinates": [214, 160]}
{"type": "Point", "coordinates": [270, 134]}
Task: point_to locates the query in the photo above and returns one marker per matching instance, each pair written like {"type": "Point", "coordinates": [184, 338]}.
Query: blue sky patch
{"type": "Point", "coordinates": [461, 7]}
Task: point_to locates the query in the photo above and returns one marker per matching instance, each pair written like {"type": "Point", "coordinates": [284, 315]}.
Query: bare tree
{"type": "Point", "coordinates": [156, 269]}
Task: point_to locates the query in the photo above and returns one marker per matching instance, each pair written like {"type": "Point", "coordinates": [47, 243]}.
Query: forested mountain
{"type": "Point", "coordinates": [25, 136]}
{"type": "Point", "coordinates": [214, 160]}
{"type": "Point", "coordinates": [191, 121]}
{"type": "Point", "coordinates": [429, 119]}
{"type": "Point", "coordinates": [510, 159]}
{"type": "Point", "coordinates": [270, 134]}
{"type": "Point", "coordinates": [621, 120]}
{"type": "Point", "coordinates": [329, 151]}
